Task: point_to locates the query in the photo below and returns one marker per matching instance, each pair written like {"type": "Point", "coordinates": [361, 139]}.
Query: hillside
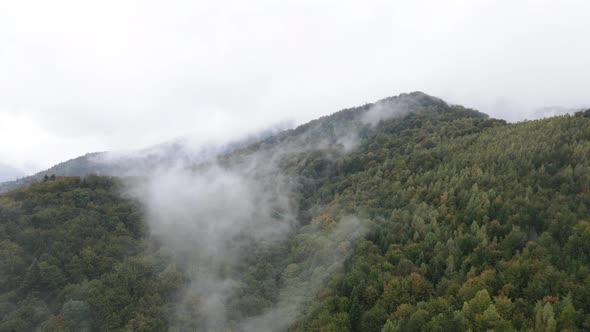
{"type": "Point", "coordinates": [135, 163]}
{"type": "Point", "coordinates": [408, 214]}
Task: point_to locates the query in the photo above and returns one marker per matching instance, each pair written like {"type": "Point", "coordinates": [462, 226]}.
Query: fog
{"type": "Point", "coordinates": [8, 173]}
{"type": "Point", "coordinates": [224, 216]}
{"type": "Point", "coordinates": [213, 217]}
{"type": "Point", "coordinates": [176, 91]}
{"type": "Point", "coordinates": [208, 219]}
{"type": "Point", "coordinates": [78, 77]}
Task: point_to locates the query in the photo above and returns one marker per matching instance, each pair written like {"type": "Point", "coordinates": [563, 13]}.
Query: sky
{"type": "Point", "coordinates": [85, 76]}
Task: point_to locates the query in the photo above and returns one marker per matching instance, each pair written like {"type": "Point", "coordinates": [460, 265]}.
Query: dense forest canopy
{"type": "Point", "coordinates": [405, 215]}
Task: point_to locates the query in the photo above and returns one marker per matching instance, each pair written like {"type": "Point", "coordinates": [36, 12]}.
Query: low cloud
{"type": "Point", "coordinates": [209, 217]}
{"type": "Point", "coordinates": [9, 173]}
{"type": "Point", "coordinates": [306, 278]}
{"type": "Point", "coordinates": [73, 84]}
{"type": "Point", "coordinates": [214, 214]}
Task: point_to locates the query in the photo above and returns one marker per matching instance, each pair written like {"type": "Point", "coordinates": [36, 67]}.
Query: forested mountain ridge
{"type": "Point", "coordinates": [462, 222]}
{"type": "Point", "coordinates": [140, 162]}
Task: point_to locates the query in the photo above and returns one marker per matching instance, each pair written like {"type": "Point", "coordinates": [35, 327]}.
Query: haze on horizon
{"type": "Point", "coordinates": [82, 77]}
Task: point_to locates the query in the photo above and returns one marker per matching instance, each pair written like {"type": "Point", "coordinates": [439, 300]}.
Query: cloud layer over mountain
{"type": "Point", "coordinates": [79, 77]}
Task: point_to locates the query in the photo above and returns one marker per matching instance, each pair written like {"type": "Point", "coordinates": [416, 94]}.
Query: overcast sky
{"type": "Point", "coordinates": [83, 76]}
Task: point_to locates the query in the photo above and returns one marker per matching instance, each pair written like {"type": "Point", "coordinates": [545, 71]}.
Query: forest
{"type": "Point", "coordinates": [436, 219]}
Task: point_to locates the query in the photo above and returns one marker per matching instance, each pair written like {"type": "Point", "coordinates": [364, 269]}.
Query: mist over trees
{"type": "Point", "coordinates": [404, 215]}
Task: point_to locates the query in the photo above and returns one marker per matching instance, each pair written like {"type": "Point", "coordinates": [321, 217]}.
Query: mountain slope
{"type": "Point", "coordinates": [136, 163]}
{"type": "Point", "coordinates": [477, 231]}
{"type": "Point", "coordinates": [408, 214]}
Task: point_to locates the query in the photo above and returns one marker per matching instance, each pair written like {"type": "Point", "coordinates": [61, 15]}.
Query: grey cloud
{"type": "Point", "coordinates": [211, 214]}
{"type": "Point", "coordinates": [83, 77]}
{"type": "Point", "coordinates": [9, 173]}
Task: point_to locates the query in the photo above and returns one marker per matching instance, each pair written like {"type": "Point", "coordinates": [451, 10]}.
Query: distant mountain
{"type": "Point", "coordinates": [551, 111]}
{"type": "Point", "coordinates": [133, 163]}
{"type": "Point", "coordinates": [337, 129]}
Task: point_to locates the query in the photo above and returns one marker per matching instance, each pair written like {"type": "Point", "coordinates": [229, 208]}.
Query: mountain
{"type": "Point", "coordinates": [135, 163]}
{"type": "Point", "coordinates": [408, 214]}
